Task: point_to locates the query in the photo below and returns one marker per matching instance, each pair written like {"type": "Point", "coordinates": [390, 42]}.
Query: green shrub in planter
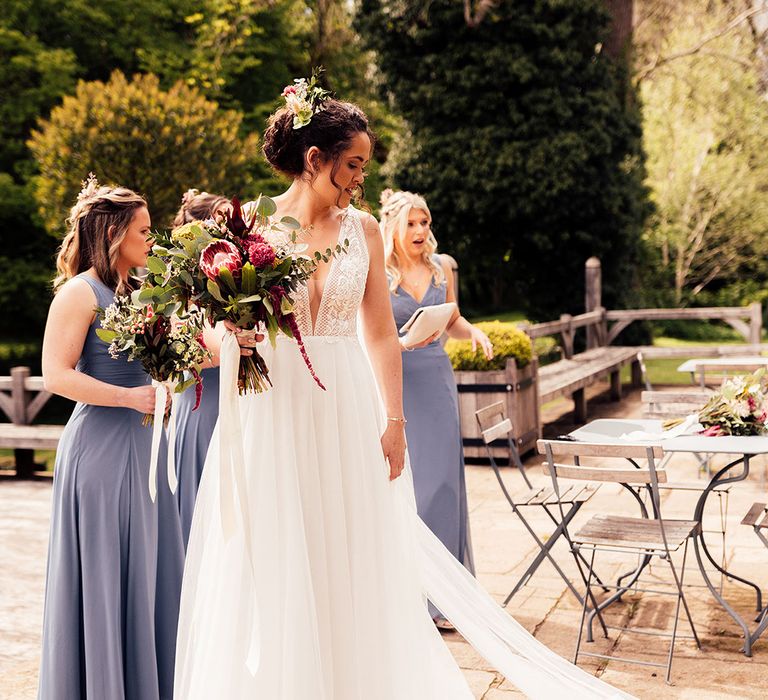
{"type": "Point", "coordinates": [508, 341]}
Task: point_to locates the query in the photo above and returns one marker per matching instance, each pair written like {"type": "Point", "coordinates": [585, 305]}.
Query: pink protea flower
{"type": "Point", "coordinates": [260, 253]}
{"type": "Point", "coordinates": [712, 431]}
{"type": "Point", "coordinates": [289, 90]}
{"type": "Point", "coordinates": [220, 254]}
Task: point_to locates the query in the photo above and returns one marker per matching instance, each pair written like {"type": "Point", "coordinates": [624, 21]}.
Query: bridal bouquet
{"type": "Point", "coordinates": [171, 351]}
{"type": "Point", "coordinates": [740, 407]}
{"type": "Point", "coordinates": [238, 267]}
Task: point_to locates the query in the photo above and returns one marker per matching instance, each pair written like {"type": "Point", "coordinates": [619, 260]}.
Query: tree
{"type": "Point", "coordinates": [706, 125]}
{"type": "Point", "coordinates": [522, 142]}
{"type": "Point", "coordinates": [135, 134]}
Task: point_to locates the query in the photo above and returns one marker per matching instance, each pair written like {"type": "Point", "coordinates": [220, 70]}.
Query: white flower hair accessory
{"type": "Point", "coordinates": [90, 186]}
{"type": "Point", "coordinates": [305, 99]}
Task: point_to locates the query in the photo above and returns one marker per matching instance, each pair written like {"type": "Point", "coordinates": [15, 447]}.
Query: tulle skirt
{"type": "Point", "coordinates": [333, 602]}
{"type": "Point", "coordinates": [317, 587]}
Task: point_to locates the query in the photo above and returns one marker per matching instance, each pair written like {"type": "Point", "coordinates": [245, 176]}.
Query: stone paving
{"type": "Point", "coordinates": [502, 550]}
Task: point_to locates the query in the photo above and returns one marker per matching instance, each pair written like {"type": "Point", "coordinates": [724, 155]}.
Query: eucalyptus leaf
{"type": "Point", "coordinates": [265, 206]}
{"type": "Point", "coordinates": [156, 266]}
{"type": "Point", "coordinates": [290, 222]}
{"type": "Point", "coordinates": [106, 335]}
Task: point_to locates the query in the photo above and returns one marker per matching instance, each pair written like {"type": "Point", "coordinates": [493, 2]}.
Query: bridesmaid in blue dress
{"type": "Point", "coordinates": [195, 427]}
{"type": "Point", "coordinates": [418, 277]}
{"type": "Point", "coordinates": [115, 558]}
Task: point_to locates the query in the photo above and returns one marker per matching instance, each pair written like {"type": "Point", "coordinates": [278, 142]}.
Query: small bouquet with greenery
{"type": "Point", "coordinates": [237, 267]}
{"type": "Point", "coordinates": [170, 350]}
{"type": "Point", "coordinates": [740, 407]}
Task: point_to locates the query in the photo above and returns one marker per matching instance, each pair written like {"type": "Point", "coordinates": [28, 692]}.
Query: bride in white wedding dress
{"type": "Point", "coordinates": [308, 567]}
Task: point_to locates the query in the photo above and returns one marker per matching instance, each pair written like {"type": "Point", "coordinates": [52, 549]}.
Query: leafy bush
{"type": "Point", "coordinates": [508, 341]}
{"type": "Point", "coordinates": [522, 139]}
{"type": "Point", "coordinates": [135, 134]}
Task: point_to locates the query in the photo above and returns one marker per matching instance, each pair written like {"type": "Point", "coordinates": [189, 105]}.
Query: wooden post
{"type": "Point", "coordinates": [580, 406]}
{"type": "Point", "coordinates": [567, 336]}
{"type": "Point", "coordinates": [25, 459]}
{"type": "Point", "coordinates": [637, 374]}
{"type": "Point", "coordinates": [616, 385]}
{"type": "Point", "coordinates": [593, 298]}
{"type": "Point", "coordinates": [755, 322]}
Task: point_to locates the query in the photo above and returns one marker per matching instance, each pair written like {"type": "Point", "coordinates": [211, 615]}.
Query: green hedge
{"type": "Point", "coordinates": [508, 341]}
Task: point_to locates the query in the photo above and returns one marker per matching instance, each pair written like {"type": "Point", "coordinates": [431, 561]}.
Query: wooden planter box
{"type": "Point", "coordinates": [518, 387]}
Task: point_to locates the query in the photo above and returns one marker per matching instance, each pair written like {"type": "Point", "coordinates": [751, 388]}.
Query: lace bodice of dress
{"type": "Point", "coordinates": [344, 288]}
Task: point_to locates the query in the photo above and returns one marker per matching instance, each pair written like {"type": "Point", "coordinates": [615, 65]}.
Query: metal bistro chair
{"type": "Point", "coordinates": [494, 425]}
{"type": "Point", "coordinates": [642, 537]}
{"type": "Point", "coordinates": [757, 519]}
{"type": "Point", "coordinates": [676, 404]}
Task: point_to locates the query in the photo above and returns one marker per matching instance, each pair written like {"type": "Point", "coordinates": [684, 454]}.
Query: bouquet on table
{"type": "Point", "coordinates": [740, 407]}
{"type": "Point", "coordinates": [238, 267]}
{"type": "Point", "coordinates": [169, 346]}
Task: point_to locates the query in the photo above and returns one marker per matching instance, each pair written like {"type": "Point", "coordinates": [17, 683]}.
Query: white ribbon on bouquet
{"type": "Point", "coordinates": [232, 466]}
{"type": "Point", "coordinates": [161, 392]}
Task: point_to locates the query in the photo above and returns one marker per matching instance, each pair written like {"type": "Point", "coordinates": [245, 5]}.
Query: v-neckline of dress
{"type": "Point", "coordinates": [331, 267]}
{"type": "Point", "coordinates": [419, 302]}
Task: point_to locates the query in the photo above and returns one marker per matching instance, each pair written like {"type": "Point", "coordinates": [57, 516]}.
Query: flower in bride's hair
{"type": "Point", "coordinates": [260, 252]}
{"type": "Point", "coordinates": [218, 256]}
{"type": "Point", "coordinates": [304, 99]}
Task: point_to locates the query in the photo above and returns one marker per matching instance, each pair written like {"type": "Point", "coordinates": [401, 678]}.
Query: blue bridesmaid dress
{"type": "Point", "coordinates": [431, 406]}
{"type": "Point", "coordinates": [115, 558]}
{"type": "Point", "coordinates": [193, 435]}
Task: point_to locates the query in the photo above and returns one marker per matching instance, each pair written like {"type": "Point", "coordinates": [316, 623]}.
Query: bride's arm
{"type": "Point", "coordinates": [383, 347]}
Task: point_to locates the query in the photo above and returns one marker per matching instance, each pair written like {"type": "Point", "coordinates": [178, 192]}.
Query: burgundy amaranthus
{"type": "Point", "coordinates": [277, 294]}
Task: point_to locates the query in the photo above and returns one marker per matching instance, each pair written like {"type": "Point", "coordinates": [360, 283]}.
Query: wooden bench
{"type": "Point", "coordinates": [21, 399]}
{"type": "Point", "coordinates": [571, 376]}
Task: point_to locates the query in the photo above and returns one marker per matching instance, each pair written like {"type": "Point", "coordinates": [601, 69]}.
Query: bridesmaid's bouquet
{"type": "Point", "coordinates": [238, 267]}
{"type": "Point", "coordinates": [170, 348]}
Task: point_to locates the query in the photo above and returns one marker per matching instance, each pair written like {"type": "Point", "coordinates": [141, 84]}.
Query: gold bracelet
{"type": "Point", "coordinates": [397, 420]}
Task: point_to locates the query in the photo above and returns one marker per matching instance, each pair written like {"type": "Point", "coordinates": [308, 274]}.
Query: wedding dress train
{"type": "Point", "coordinates": [307, 570]}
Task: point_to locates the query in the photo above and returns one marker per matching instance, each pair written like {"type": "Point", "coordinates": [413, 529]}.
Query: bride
{"type": "Point", "coordinates": [307, 567]}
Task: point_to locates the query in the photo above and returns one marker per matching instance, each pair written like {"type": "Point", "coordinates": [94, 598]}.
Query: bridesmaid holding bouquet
{"type": "Point", "coordinates": [115, 557]}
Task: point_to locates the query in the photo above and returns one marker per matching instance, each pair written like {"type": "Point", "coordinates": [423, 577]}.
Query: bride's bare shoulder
{"type": "Point", "coordinates": [369, 223]}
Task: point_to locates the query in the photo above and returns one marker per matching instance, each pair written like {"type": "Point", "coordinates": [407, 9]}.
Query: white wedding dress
{"type": "Point", "coordinates": [307, 569]}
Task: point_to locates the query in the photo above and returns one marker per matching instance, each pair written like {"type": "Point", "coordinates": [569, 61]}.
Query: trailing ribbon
{"type": "Point", "coordinates": [232, 471]}
{"type": "Point", "coordinates": [161, 391]}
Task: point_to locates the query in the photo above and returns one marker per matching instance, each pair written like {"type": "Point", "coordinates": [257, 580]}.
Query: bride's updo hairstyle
{"type": "Point", "coordinates": [331, 130]}
{"type": "Point", "coordinates": [97, 225]}
{"type": "Point", "coordinates": [395, 209]}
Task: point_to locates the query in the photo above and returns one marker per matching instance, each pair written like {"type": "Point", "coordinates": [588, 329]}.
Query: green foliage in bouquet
{"type": "Point", "coordinates": [169, 346]}
{"type": "Point", "coordinates": [508, 342]}
{"type": "Point", "coordinates": [241, 267]}
{"type": "Point", "coordinates": [132, 132]}
{"type": "Point", "coordinates": [740, 407]}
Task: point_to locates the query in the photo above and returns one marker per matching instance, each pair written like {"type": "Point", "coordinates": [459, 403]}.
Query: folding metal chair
{"type": "Point", "coordinates": [494, 426]}
{"type": "Point", "coordinates": [642, 537]}
{"type": "Point", "coordinates": [757, 519]}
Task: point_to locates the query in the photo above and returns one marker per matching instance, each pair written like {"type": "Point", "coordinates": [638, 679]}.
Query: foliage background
{"type": "Point", "coordinates": [538, 137]}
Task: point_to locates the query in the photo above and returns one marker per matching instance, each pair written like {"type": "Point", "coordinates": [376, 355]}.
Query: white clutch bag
{"type": "Point", "coordinates": [426, 321]}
